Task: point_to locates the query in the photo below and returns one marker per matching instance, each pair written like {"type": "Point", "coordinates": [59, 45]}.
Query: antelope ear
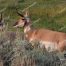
{"type": "Point", "coordinates": [26, 14]}
{"type": "Point", "coordinates": [20, 14]}
{"type": "Point", "coordinates": [27, 17]}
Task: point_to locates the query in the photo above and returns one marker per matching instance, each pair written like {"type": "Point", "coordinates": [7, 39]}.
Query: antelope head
{"type": "Point", "coordinates": [23, 22]}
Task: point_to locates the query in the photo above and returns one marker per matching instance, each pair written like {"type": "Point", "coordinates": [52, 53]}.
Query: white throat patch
{"type": "Point", "coordinates": [26, 29]}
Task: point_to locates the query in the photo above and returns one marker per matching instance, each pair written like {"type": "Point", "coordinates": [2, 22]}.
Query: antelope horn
{"type": "Point", "coordinates": [19, 13]}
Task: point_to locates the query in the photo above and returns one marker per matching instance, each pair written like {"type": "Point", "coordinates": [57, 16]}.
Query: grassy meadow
{"type": "Point", "coordinates": [52, 13]}
{"type": "Point", "coordinates": [14, 50]}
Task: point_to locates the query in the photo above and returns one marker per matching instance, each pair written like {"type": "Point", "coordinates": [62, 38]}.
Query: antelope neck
{"type": "Point", "coordinates": [26, 29]}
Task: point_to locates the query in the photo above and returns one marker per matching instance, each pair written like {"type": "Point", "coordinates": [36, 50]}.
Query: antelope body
{"type": "Point", "coordinates": [52, 40]}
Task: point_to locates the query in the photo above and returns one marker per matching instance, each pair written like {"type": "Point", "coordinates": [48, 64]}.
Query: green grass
{"type": "Point", "coordinates": [51, 12]}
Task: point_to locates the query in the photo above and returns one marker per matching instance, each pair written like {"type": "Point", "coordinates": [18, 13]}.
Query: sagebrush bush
{"type": "Point", "coordinates": [15, 51]}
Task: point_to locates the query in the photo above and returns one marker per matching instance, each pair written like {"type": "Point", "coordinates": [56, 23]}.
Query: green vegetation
{"type": "Point", "coordinates": [51, 12]}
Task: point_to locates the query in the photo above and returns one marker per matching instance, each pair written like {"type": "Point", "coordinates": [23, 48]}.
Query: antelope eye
{"type": "Point", "coordinates": [23, 19]}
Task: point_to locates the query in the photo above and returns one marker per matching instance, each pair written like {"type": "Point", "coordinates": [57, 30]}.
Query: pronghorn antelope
{"type": "Point", "coordinates": [52, 40]}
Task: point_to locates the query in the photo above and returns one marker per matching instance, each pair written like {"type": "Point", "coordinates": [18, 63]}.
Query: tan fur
{"type": "Point", "coordinates": [58, 38]}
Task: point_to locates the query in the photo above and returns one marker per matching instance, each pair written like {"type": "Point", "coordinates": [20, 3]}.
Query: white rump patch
{"type": "Point", "coordinates": [50, 46]}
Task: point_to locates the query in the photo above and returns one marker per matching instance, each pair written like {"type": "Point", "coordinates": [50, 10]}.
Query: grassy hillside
{"type": "Point", "coordinates": [52, 13]}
